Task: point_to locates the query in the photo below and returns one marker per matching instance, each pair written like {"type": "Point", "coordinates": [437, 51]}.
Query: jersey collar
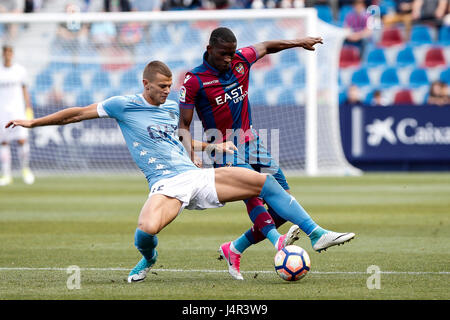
{"type": "Point", "coordinates": [215, 72]}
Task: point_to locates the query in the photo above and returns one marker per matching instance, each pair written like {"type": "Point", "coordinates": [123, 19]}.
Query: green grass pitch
{"type": "Point", "coordinates": [401, 222]}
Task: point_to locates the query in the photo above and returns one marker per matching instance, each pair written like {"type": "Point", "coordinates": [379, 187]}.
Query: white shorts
{"type": "Point", "coordinates": [11, 134]}
{"type": "Point", "coordinates": [195, 189]}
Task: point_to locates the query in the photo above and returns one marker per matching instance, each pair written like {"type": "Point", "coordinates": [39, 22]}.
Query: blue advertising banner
{"type": "Point", "coordinates": [395, 133]}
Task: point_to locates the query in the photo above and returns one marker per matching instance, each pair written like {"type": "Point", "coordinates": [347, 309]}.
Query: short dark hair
{"type": "Point", "coordinates": [6, 47]}
{"type": "Point", "coordinates": [221, 34]}
{"type": "Point", "coordinates": [154, 67]}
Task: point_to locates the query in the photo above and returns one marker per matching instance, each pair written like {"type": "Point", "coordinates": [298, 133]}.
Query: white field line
{"type": "Point", "coordinates": [225, 271]}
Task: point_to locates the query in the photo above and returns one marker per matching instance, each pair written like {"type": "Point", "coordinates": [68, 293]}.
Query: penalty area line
{"type": "Point", "coordinates": [225, 271]}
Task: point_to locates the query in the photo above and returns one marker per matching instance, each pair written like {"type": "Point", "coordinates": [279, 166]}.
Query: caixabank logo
{"type": "Point", "coordinates": [406, 131]}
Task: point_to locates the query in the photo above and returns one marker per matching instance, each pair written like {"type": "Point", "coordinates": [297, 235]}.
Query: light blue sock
{"type": "Point", "coordinates": [241, 243]}
{"type": "Point", "coordinates": [146, 243]}
{"type": "Point", "coordinates": [286, 206]}
{"type": "Point", "coordinates": [273, 235]}
{"type": "Point", "coordinates": [316, 234]}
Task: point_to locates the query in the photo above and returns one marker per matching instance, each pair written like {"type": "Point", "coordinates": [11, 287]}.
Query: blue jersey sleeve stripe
{"type": "Point", "coordinates": [186, 105]}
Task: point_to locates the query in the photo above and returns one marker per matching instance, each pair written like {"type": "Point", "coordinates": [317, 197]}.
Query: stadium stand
{"type": "Point", "coordinates": [393, 61]}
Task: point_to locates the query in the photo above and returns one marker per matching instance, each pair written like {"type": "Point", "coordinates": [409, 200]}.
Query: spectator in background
{"type": "Point", "coordinates": [32, 6]}
{"type": "Point", "coordinates": [147, 5]}
{"type": "Point", "coordinates": [113, 6]}
{"type": "Point", "coordinates": [181, 5]}
{"type": "Point", "coordinates": [357, 22]}
{"type": "Point", "coordinates": [353, 95]}
{"type": "Point", "coordinates": [69, 35]}
{"type": "Point", "coordinates": [439, 94]}
{"type": "Point", "coordinates": [15, 102]}
{"type": "Point", "coordinates": [103, 34]}
{"type": "Point", "coordinates": [291, 3]}
{"type": "Point", "coordinates": [402, 14]}
{"type": "Point", "coordinates": [377, 99]}
{"type": "Point", "coordinates": [429, 11]}
{"type": "Point", "coordinates": [130, 34]}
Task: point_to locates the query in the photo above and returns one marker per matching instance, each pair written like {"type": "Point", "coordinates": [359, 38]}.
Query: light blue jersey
{"type": "Point", "coordinates": [150, 133]}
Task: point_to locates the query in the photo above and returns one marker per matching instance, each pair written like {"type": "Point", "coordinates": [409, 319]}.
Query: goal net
{"type": "Point", "coordinates": [82, 58]}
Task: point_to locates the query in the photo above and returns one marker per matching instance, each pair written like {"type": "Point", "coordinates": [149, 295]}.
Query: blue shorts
{"type": "Point", "coordinates": [252, 155]}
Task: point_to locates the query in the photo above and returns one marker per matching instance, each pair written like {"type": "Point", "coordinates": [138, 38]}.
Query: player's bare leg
{"type": "Point", "coordinates": [24, 155]}
{"type": "Point", "coordinates": [5, 157]}
{"type": "Point", "coordinates": [157, 212]}
{"type": "Point", "coordinates": [237, 183]}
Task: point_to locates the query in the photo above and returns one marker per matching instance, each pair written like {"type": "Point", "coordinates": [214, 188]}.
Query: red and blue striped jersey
{"type": "Point", "coordinates": [221, 100]}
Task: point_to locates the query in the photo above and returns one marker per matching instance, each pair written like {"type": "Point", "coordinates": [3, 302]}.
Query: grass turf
{"type": "Point", "coordinates": [401, 222]}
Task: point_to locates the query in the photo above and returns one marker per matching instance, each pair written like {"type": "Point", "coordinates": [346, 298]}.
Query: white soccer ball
{"type": "Point", "coordinates": [292, 263]}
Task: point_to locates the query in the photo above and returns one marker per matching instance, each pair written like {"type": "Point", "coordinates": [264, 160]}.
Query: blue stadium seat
{"type": "Point", "coordinates": [192, 36]}
{"type": "Point", "coordinates": [445, 76]}
{"type": "Point", "coordinates": [324, 12]}
{"type": "Point", "coordinates": [100, 80]}
{"type": "Point", "coordinates": [43, 81]}
{"type": "Point", "coordinates": [82, 67]}
{"type": "Point", "coordinates": [389, 78]}
{"type": "Point", "coordinates": [361, 77]}
{"type": "Point", "coordinates": [405, 57]}
{"type": "Point", "coordinates": [421, 34]}
{"type": "Point", "coordinates": [444, 35]}
{"type": "Point", "coordinates": [343, 11]}
{"type": "Point", "coordinates": [386, 6]}
{"type": "Point", "coordinates": [84, 98]}
{"type": "Point", "coordinates": [299, 78]}
{"type": "Point", "coordinates": [273, 78]}
{"type": "Point", "coordinates": [56, 66]}
{"type": "Point", "coordinates": [129, 79]}
{"type": "Point", "coordinates": [176, 64]}
{"type": "Point", "coordinates": [376, 58]}
{"type": "Point", "coordinates": [160, 36]}
{"type": "Point", "coordinates": [418, 78]}
{"type": "Point", "coordinates": [368, 97]}
{"type": "Point", "coordinates": [72, 81]}
{"type": "Point", "coordinates": [342, 96]}
{"type": "Point", "coordinates": [289, 57]}
{"type": "Point", "coordinates": [258, 97]}
{"type": "Point", "coordinates": [286, 98]}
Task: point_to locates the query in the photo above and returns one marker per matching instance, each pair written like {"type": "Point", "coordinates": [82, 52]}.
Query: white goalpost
{"type": "Point", "coordinates": [293, 94]}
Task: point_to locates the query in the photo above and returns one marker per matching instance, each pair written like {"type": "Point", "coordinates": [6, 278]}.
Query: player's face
{"type": "Point", "coordinates": [221, 54]}
{"type": "Point", "coordinates": [7, 55]}
{"type": "Point", "coordinates": [158, 89]}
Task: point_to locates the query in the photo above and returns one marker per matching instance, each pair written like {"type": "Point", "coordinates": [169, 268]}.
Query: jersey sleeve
{"type": "Point", "coordinates": [188, 91]}
{"type": "Point", "coordinates": [112, 107]}
{"type": "Point", "coordinates": [249, 54]}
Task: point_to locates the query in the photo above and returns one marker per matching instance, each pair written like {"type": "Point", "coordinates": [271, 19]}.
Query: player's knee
{"type": "Point", "coordinates": [150, 227]}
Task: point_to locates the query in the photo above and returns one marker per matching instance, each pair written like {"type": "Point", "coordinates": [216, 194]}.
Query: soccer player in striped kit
{"type": "Point", "coordinates": [218, 90]}
{"type": "Point", "coordinates": [149, 123]}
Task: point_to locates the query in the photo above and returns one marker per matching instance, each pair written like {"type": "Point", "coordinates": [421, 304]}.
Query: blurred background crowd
{"type": "Point", "coordinates": [396, 51]}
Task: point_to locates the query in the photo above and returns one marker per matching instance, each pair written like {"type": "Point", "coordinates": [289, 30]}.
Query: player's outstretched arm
{"type": "Point", "coordinates": [274, 46]}
{"type": "Point", "coordinates": [66, 116]}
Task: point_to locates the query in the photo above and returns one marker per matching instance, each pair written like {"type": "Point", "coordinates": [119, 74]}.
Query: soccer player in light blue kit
{"type": "Point", "coordinates": [149, 125]}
